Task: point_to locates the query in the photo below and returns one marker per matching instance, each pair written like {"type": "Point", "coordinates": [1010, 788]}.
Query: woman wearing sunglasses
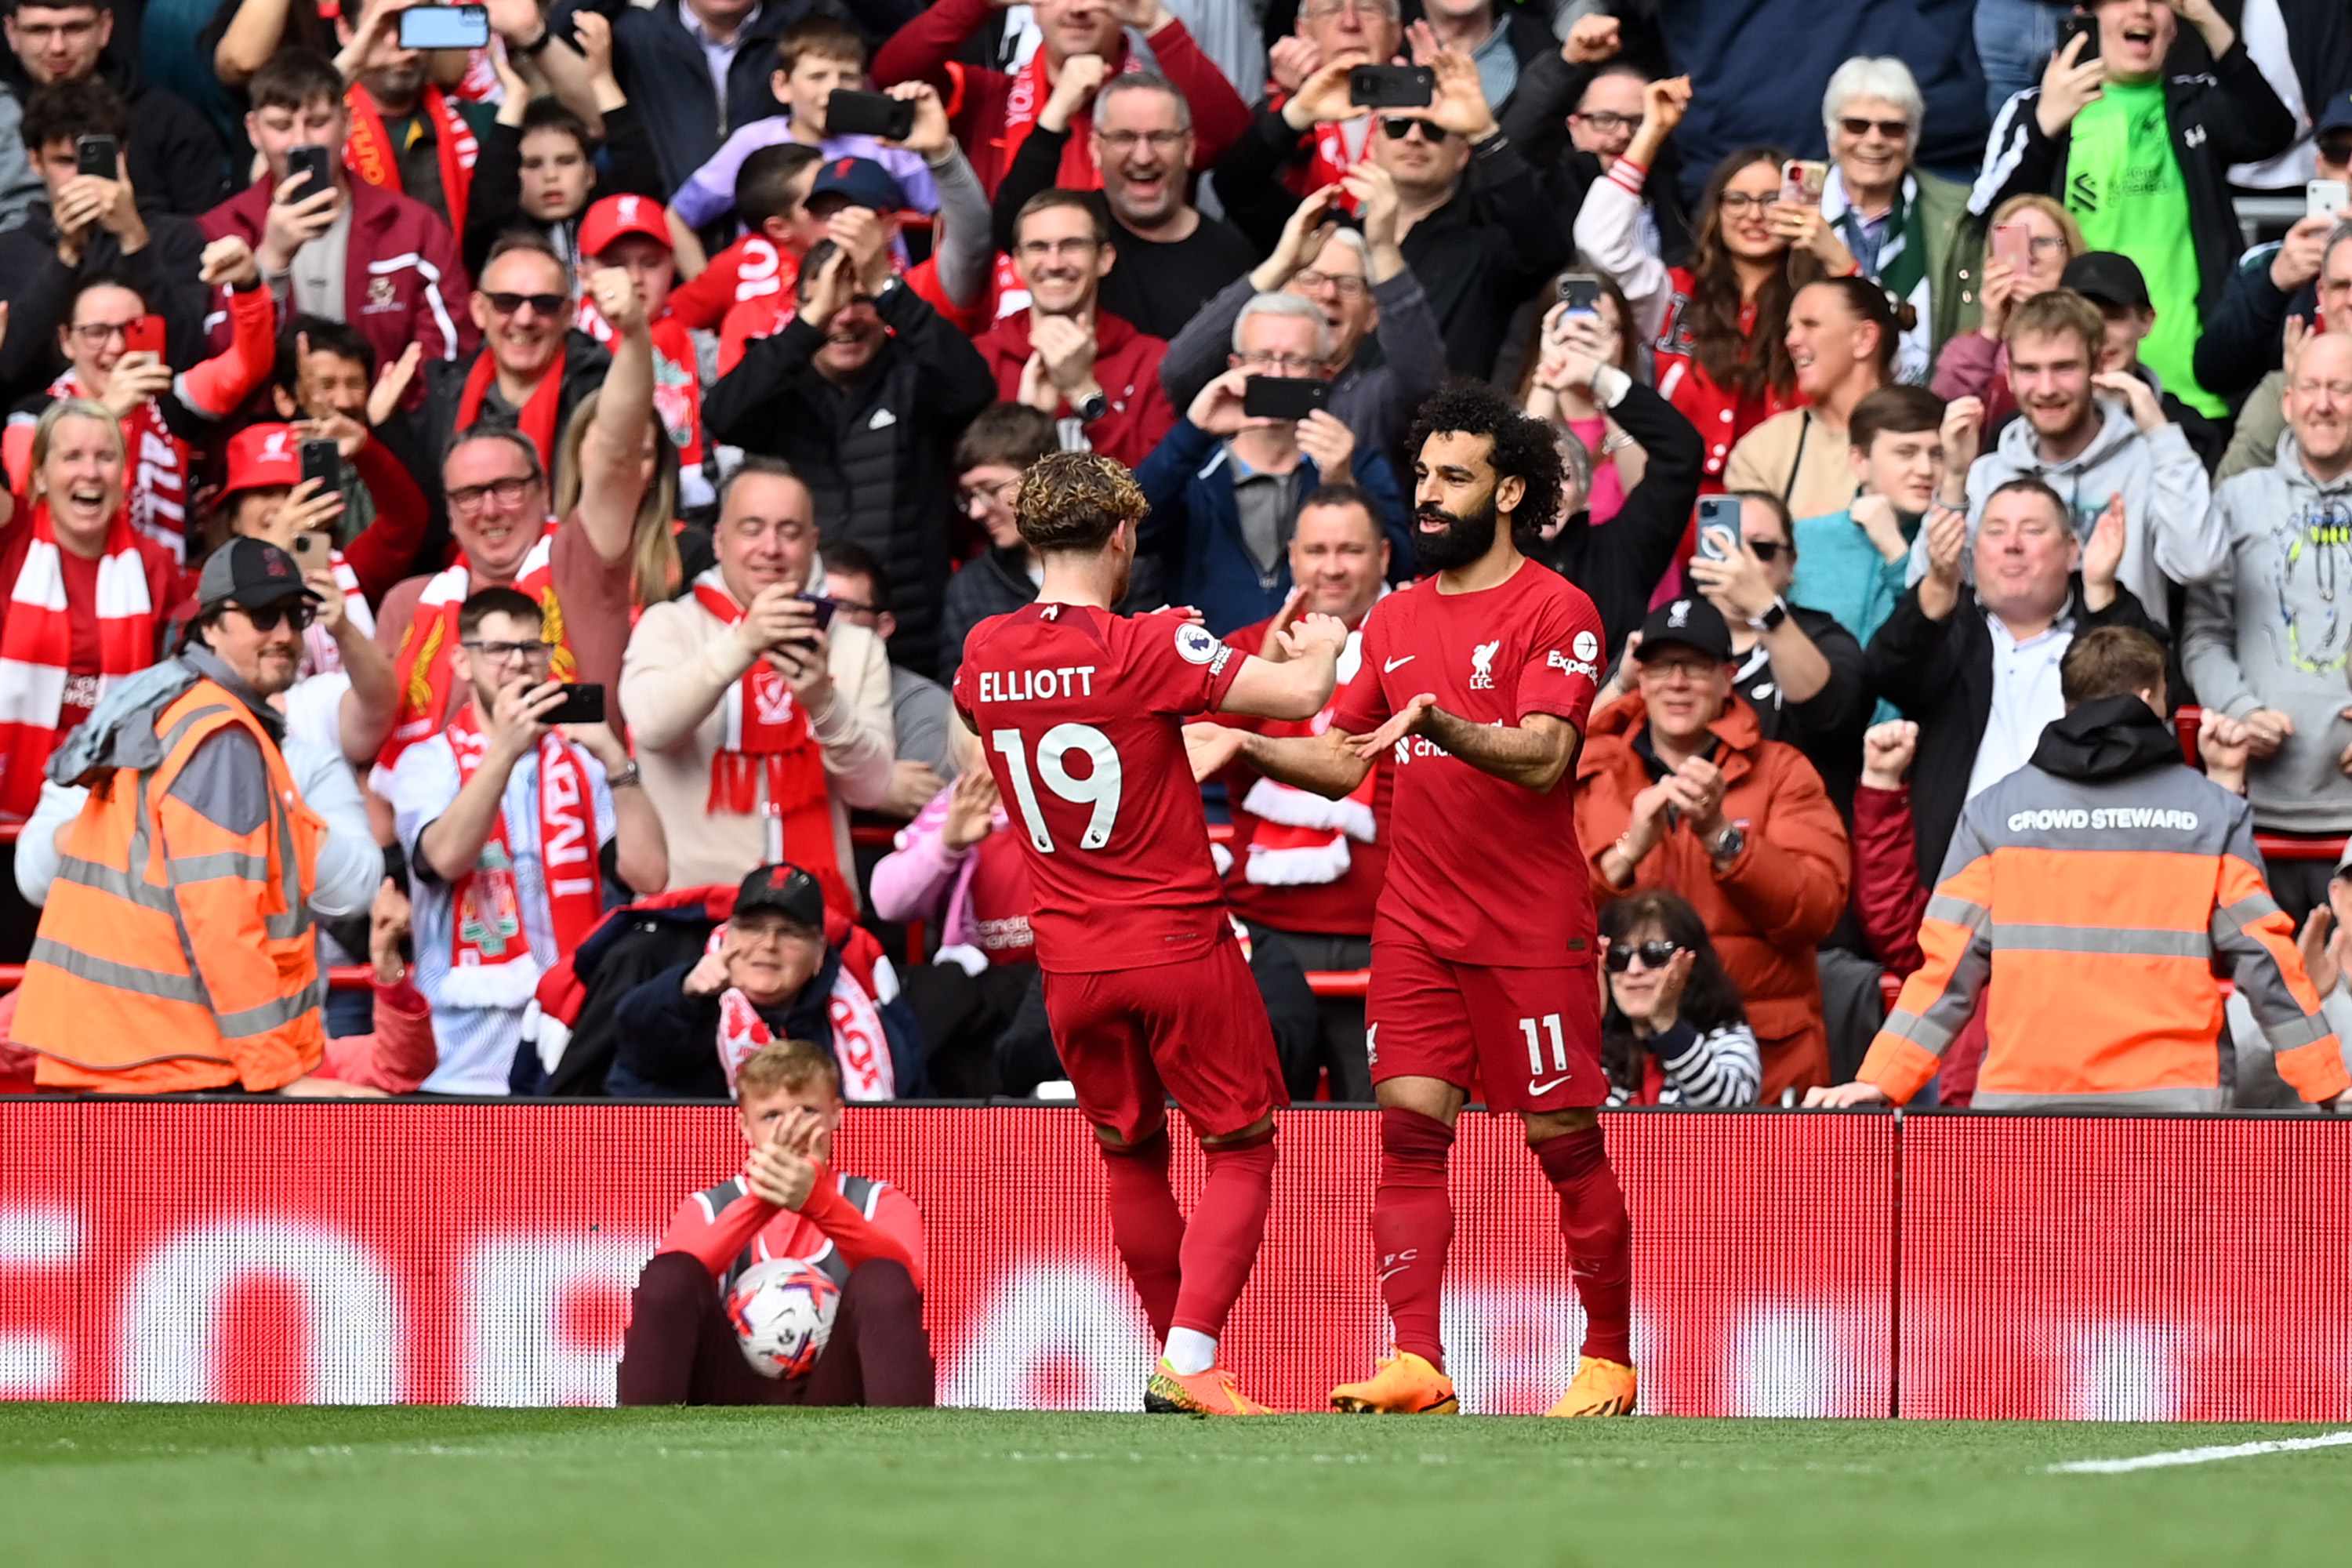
{"type": "Point", "coordinates": [1672, 1032]}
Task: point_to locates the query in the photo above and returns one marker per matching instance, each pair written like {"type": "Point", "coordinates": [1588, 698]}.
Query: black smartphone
{"type": "Point", "coordinates": [583, 704]}
{"type": "Point", "coordinates": [2069, 27]}
{"type": "Point", "coordinates": [852, 113]}
{"type": "Point", "coordinates": [1719, 526]}
{"type": "Point", "coordinates": [96, 155]}
{"type": "Point", "coordinates": [1581, 292]}
{"type": "Point", "coordinates": [445, 28]}
{"type": "Point", "coordinates": [823, 607]}
{"type": "Point", "coordinates": [1392, 86]}
{"type": "Point", "coordinates": [312, 165]}
{"type": "Point", "coordinates": [323, 461]}
{"type": "Point", "coordinates": [1283, 396]}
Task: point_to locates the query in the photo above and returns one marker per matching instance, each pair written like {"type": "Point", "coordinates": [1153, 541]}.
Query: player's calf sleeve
{"type": "Point", "coordinates": [1412, 1225]}
{"type": "Point", "coordinates": [1146, 1224]}
{"type": "Point", "coordinates": [1221, 1242]}
{"type": "Point", "coordinates": [1600, 1238]}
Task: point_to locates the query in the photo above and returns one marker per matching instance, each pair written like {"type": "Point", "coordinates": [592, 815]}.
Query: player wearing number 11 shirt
{"type": "Point", "coordinates": [1477, 682]}
{"type": "Point", "coordinates": [1079, 713]}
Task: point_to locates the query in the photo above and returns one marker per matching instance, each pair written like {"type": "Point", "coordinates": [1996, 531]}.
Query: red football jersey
{"type": "Point", "coordinates": [1481, 870]}
{"type": "Point", "coordinates": [1080, 715]}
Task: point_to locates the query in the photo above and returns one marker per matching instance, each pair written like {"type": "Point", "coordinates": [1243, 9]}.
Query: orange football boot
{"type": "Point", "coordinates": [1602, 1388]}
{"type": "Point", "coordinates": [1210, 1393]}
{"type": "Point", "coordinates": [1402, 1384]}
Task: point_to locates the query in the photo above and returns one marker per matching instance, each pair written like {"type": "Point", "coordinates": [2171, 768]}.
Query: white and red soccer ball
{"type": "Point", "coordinates": [783, 1312]}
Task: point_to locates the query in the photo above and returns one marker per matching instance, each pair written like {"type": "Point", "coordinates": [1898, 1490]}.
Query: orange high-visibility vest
{"type": "Point", "coordinates": [175, 953]}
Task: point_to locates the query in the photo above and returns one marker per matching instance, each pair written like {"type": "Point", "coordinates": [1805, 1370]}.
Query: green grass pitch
{"type": "Point", "coordinates": [339, 1489]}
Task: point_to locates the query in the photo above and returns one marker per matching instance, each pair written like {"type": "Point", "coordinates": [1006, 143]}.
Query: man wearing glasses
{"type": "Point", "coordinates": [494, 481]}
{"type": "Point", "coordinates": [512, 827]}
{"type": "Point", "coordinates": [1171, 257]}
{"type": "Point", "coordinates": [1067, 355]}
{"type": "Point", "coordinates": [1222, 519]}
{"type": "Point", "coordinates": [1472, 221]}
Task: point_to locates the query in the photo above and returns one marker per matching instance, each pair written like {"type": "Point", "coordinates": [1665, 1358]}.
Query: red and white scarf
{"type": "Point", "coordinates": [369, 153]}
{"type": "Point", "coordinates": [768, 739]}
{"type": "Point", "coordinates": [38, 641]}
{"type": "Point", "coordinates": [858, 1043]}
{"type": "Point", "coordinates": [536, 419]}
{"type": "Point", "coordinates": [1302, 838]}
{"type": "Point", "coordinates": [1332, 160]}
{"type": "Point", "coordinates": [319, 653]}
{"type": "Point", "coordinates": [490, 961]}
{"type": "Point", "coordinates": [425, 663]}
{"type": "Point", "coordinates": [156, 471]}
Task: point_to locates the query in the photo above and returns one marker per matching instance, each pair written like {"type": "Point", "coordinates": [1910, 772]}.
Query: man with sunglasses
{"type": "Point", "coordinates": [1472, 221]}
{"type": "Point", "coordinates": [198, 969]}
{"type": "Point", "coordinates": [534, 365]}
{"type": "Point", "coordinates": [1573, 115]}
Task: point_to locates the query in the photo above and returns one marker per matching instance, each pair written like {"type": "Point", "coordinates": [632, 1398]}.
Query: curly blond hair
{"type": "Point", "coordinates": [1076, 500]}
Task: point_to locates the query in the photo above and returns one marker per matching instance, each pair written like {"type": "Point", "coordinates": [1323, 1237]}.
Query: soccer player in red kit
{"type": "Point", "coordinates": [1080, 715]}
{"type": "Point", "coordinates": [1477, 682]}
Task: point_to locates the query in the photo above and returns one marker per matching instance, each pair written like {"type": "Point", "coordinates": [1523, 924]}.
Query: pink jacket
{"type": "Point", "coordinates": [1973, 365]}
{"type": "Point", "coordinates": [922, 878]}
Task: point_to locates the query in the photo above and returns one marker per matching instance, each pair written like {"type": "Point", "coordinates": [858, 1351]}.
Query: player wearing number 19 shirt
{"type": "Point", "coordinates": [1477, 682]}
{"type": "Point", "coordinates": [1079, 713]}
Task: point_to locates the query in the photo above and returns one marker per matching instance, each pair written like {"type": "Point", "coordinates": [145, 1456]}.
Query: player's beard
{"type": "Point", "coordinates": [1466, 539]}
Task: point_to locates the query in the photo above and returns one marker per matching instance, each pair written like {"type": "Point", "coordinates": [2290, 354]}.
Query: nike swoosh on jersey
{"type": "Point", "coordinates": [1547, 1084]}
{"type": "Point", "coordinates": [1391, 663]}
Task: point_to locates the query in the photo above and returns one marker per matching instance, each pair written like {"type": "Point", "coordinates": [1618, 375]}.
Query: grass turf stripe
{"type": "Point", "coordinates": [2197, 1455]}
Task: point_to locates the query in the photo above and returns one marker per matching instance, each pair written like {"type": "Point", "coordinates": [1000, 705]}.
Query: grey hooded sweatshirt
{"type": "Point", "coordinates": [2169, 531]}
{"type": "Point", "coordinates": [2273, 630]}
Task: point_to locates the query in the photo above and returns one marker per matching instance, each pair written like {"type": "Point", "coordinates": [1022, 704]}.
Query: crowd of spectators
{"type": "Point", "coordinates": [1931, 436]}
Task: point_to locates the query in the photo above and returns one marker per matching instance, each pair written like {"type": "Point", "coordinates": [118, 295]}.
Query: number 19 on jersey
{"type": "Point", "coordinates": [1099, 789]}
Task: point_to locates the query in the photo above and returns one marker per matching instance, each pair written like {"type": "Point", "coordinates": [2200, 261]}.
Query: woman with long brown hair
{"type": "Point", "coordinates": [657, 568]}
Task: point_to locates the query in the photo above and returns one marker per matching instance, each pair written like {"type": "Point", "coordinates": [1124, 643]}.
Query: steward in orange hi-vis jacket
{"type": "Point", "coordinates": [2092, 889]}
{"type": "Point", "coordinates": [176, 950]}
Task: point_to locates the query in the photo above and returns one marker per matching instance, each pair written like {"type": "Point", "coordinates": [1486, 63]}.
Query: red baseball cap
{"type": "Point", "coordinates": [263, 457]}
{"type": "Point", "coordinates": [613, 216]}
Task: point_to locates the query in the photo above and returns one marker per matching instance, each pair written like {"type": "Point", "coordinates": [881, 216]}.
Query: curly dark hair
{"type": "Point", "coordinates": [1076, 500]}
{"type": "Point", "coordinates": [1523, 446]}
{"type": "Point", "coordinates": [1744, 363]}
{"type": "Point", "coordinates": [1710, 1001]}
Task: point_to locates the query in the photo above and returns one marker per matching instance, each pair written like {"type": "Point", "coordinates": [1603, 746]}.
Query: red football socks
{"type": "Point", "coordinates": [1600, 1239]}
{"type": "Point", "coordinates": [1412, 1224]}
{"type": "Point", "coordinates": [1221, 1242]}
{"type": "Point", "coordinates": [1146, 1224]}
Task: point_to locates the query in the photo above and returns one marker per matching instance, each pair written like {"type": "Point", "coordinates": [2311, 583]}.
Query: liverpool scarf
{"type": "Point", "coordinates": [490, 961]}
{"type": "Point", "coordinates": [38, 641]}
{"type": "Point", "coordinates": [425, 663]}
{"type": "Point", "coordinates": [854, 1029]}
{"type": "Point", "coordinates": [768, 739]}
{"type": "Point", "coordinates": [369, 153]}
{"type": "Point", "coordinates": [537, 419]}
{"type": "Point", "coordinates": [1301, 837]}
{"type": "Point", "coordinates": [318, 643]}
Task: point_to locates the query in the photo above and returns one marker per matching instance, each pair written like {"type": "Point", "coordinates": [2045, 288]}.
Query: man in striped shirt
{"type": "Point", "coordinates": [864, 1234]}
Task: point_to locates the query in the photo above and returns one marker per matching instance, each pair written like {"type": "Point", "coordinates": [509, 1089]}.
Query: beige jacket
{"type": "Point", "coordinates": [680, 662]}
{"type": "Point", "coordinates": [1812, 483]}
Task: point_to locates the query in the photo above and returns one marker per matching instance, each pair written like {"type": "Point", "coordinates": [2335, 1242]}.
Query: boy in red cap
{"type": "Point", "coordinates": [632, 233]}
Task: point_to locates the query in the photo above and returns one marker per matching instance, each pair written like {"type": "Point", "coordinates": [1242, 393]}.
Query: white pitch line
{"type": "Point", "coordinates": [2199, 1456]}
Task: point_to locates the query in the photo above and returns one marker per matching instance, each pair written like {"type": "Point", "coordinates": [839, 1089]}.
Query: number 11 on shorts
{"type": "Point", "coordinates": [1534, 1049]}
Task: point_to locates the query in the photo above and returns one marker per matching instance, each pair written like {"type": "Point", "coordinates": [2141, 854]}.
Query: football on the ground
{"type": "Point", "coordinates": [782, 1313]}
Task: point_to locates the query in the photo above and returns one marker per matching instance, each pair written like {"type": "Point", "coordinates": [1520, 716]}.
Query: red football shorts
{"type": "Point", "coordinates": [1529, 1037]}
{"type": "Point", "coordinates": [1197, 1030]}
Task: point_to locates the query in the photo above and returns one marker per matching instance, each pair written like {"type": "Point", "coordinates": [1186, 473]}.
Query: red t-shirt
{"type": "Point", "coordinates": [1001, 901]}
{"type": "Point", "coordinates": [1080, 714]}
{"type": "Point", "coordinates": [1483, 871]}
{"type": "Point", "coordinates": [753, 267]}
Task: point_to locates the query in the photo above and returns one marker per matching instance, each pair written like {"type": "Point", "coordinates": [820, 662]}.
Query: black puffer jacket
{"type": "Point", "coordinates": [876, 453]}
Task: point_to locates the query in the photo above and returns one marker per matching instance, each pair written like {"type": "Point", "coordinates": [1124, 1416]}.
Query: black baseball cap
{"type": "Point", "coordinates": [787, 890]}
{"type": "Point", "coordinates": [2336, 116]}
{"type": "Point", "coordinates": [1692, 623]}
{"type": "Point", "coordinates": [2104, 278]}
{"type": "Point", "coordinates": [250, 573]}
{"type": "Point", "coordinates": [866, 182]}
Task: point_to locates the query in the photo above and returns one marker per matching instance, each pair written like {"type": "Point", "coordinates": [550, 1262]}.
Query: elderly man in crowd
{"type": "Point", "coordinates": [2266, 643]}
{"type": "Point", "coordinates": [1679, 789]}
{"type": "Point", "coordinates": [759, 723]}
{"type": "Point", "coordinates": [1898, 222]}
{"type": "Point", "coordinates": [1359, 280]}
{"type": "Point", "coordinates": [1222, 516]}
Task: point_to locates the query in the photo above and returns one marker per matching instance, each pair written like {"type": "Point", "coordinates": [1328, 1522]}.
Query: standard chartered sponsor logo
{"type": "Point", "coordinates": [2104, 819]}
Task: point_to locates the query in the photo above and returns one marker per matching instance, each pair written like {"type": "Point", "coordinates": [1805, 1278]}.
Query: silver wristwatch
{"type": "Point", "coordinates": [626, 775]}
{"type": "Point", "coordinates": [1727, 843]}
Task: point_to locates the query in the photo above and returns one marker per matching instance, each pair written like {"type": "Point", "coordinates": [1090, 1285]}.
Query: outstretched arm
{"type": "Point", "coordinates": [1324, 764]}
{"type": "Point", "coordinates": [1535, 754]}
